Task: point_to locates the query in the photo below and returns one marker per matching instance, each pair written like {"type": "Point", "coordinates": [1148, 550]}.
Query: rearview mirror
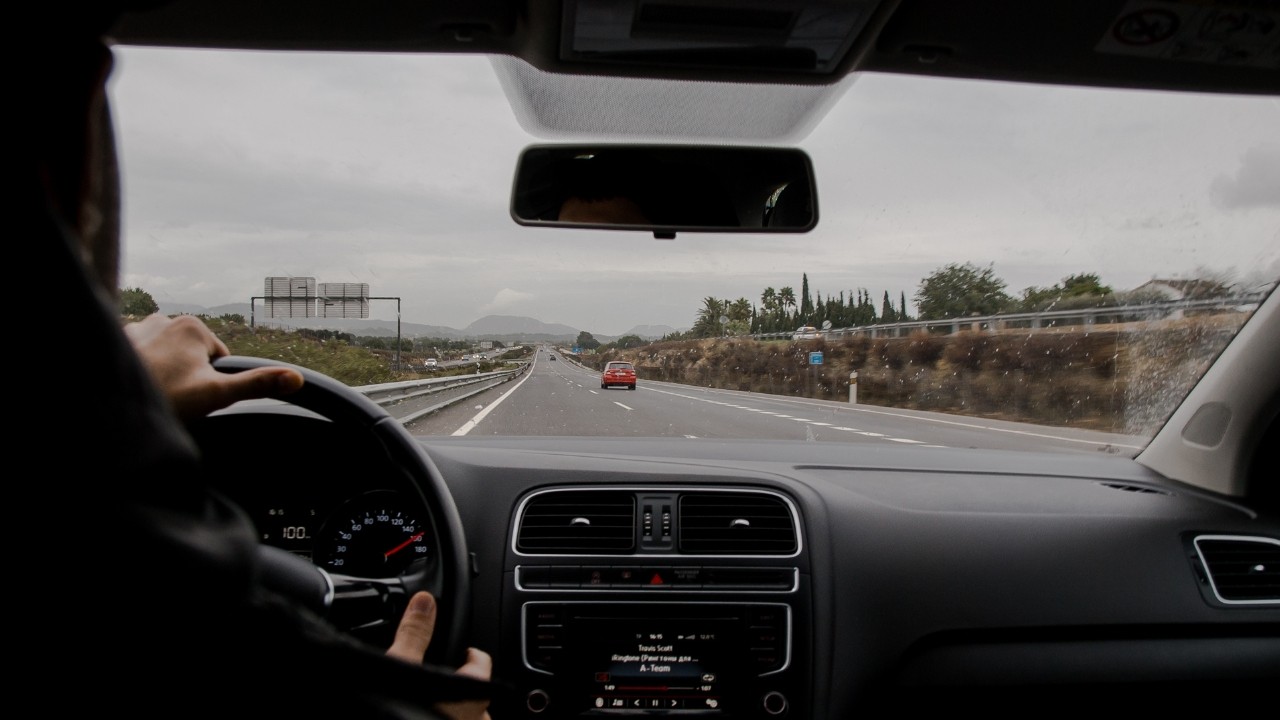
{"type": "Point", "coordinates": [666, 189]}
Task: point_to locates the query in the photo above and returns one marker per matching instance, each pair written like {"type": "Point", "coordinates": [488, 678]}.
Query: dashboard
{"type": "Point", "coordinates": [660, 598]}
{"type": "Point", "coordinates": [351, 513]}
{"type": "Point", "coordinates": [727, 579]}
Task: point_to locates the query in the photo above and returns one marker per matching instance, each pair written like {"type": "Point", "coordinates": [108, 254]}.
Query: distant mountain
{"type": "Point", "coordinates": [355, 326]}
{"type": "Point", "coordinates": [651, 332]}
{"type": "Point", "coordinates": [370, 328]}
{"type": "Point", "coordinates": [512, 325]}
{"type": "Point", "coordinates": [374, 328]}
{"type": "Point", "coordinates": [506, 328]}
{"type": "Point", "coordinates": [189, 309]}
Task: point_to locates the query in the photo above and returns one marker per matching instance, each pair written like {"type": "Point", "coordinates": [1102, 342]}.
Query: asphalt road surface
{"type": "Point", "coordinates": [562, 398]}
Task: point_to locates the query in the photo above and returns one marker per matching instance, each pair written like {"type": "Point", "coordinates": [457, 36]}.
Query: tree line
{"type": "Point", "coordinates": [954, 290]}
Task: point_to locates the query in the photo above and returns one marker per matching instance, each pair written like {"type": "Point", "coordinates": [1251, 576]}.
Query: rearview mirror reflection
{"type": "Point", "coordinates": [666, 189]}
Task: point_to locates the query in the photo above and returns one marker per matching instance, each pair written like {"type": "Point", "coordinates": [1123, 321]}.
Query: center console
{"type": "Point", "coordinates": [657, 601]}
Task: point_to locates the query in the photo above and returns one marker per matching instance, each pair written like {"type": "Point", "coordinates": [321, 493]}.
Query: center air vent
{"type": "Point", "coordinates": [736, 524]}
{"type": "Point", "coordinates": [1244, 570]}
{"type": "Point", "coordinates": [595, 522]}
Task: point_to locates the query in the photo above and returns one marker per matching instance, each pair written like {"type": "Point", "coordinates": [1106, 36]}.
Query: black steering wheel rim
{"type": "Point", "coordinates": [450, 580]}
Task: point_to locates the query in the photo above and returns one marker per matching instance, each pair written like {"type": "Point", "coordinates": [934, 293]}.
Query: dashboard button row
{"type": "Point", "coordinates": [544, 636]}
{"type": "Point", "coordinates": [766, 638]}
{"type": "Point", "coordinates": [624, 702]}
{"type": "Point", "coordinates": [663, 577]}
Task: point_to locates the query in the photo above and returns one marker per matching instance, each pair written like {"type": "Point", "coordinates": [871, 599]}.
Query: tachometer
{"type": "Point", "coordinates": [375, 535]}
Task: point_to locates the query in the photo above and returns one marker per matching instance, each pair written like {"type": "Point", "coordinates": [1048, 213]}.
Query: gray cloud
{"type": "Point", "coordinates": [1255, 184]}
{"type": "Point", "coordinates": [396, 171]}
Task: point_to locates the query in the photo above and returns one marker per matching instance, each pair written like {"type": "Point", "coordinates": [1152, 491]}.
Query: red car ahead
{"type": "Point", "coordinates": [618, 373]}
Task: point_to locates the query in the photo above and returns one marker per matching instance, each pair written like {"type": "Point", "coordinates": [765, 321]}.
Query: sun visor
{"type": "Point", "coordinates": [568, 106]}
{"type": "Point", "coordinates": [791, 36]}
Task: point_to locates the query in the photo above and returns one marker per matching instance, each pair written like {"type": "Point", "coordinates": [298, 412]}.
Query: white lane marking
{"type": "Point", "coordinates": [692, 437]}
{"type": "Point", "coordinates": [593, 392]}
{"type": "Point", "coordinates": [856, 431]}
{"type": "Point", "coordinates": [975, 426]}
{"type": "Point", "coordinates": [624, 407]}
{"type": "Point", "coordinates": [809, 424]}
{"type": "Point", "coordinates": [470, 425]}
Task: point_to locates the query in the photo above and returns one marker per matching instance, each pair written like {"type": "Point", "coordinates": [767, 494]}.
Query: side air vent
{"type": "Point", "coordinates": [1244, 570]}
{"type": "Point", "coordinates": [736, 524]}
{"type": "Point", "coordinates": [595, 522]}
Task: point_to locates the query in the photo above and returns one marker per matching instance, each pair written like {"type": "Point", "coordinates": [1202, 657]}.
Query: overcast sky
{"type": "Point", "coordinates": [396, 171]}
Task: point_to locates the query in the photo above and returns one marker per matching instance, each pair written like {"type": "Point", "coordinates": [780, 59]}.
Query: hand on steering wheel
{"type": "Point", "coordinates": [356, 602]}
{"type": "Point", "coordinates": [413, 638]}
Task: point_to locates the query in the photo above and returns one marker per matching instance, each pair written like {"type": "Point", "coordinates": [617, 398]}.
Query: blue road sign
{"type": "Point", "coordinates": [815, 358]}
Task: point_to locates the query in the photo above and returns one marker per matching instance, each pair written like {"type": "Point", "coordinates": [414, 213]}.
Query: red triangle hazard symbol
{"type": "Point", "coordinates": [656, 580]}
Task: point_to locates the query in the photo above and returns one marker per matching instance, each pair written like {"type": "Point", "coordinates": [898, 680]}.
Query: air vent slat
{"type": "Point", "coordinates": [736, 524]}
{"type": "Point", "coordinates": [577, 522]}
{"type": "Point", "coordinates": [1242, 570]}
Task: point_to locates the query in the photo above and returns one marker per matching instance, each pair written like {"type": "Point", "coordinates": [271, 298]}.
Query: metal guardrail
{"type": "Point", "coordinates": [1037, 320]}
{"type": "Point", "coordinates": [390, 393]}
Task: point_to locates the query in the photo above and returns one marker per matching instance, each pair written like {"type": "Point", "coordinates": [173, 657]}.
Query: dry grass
{"type": "Point", "coordinates": [1117, 378]}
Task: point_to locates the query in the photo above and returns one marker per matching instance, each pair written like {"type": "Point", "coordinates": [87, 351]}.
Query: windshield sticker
{"type": "Point", "coordinates": [1197, 32]}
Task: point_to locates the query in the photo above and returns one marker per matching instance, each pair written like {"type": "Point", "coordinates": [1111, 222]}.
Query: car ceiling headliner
{"type": "Point", "coordinates": [1045, 41]}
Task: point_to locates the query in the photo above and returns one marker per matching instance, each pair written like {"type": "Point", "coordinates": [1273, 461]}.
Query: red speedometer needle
{"type": "Point", "coordinates": [403, 545]}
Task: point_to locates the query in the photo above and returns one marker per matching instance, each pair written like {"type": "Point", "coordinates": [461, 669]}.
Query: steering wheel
{"type": "Point", "coordinates": [358, 604]}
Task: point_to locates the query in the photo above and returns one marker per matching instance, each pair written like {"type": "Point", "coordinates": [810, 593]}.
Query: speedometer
{"type": "Point", "coordinates": [375, 535]}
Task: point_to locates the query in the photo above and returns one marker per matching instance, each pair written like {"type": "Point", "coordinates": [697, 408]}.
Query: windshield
{"type": "Point", "coordinates": [994, 264]}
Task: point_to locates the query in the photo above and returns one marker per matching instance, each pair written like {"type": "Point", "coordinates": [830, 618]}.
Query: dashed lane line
{"type": "Point", "coordinates": [957, 423]}
{"type": "Point", "coordinates": [809, 424]}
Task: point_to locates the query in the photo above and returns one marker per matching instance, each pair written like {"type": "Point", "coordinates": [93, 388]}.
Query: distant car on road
{"type": "Point", "coordinates": [553, 357]}
{"type": "Point", "coordinates": [808, 332]}
{"type": "Point", "coordinates": [431, 364]}
{"type": "Point", "coordinates": [618, 373]}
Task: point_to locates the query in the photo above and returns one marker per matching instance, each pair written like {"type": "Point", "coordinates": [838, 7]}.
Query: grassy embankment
{"type": "Point", "coordinates": [350, 364]}
{"type": "Point", "coordinates": [1122, 378]}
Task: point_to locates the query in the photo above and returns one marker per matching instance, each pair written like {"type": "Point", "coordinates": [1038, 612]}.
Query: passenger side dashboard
{"type": "Point", "coordinates": [917, 579]}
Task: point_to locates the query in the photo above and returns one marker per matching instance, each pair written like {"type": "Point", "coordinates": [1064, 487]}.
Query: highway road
{"type": "Point", "coordinates": [563, 398]}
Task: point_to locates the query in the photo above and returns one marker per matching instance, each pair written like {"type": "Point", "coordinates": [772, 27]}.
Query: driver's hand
{"type": "Point", "coordinates": [412, 638]}
{"type": "Point", "coordinates": [177, 352]}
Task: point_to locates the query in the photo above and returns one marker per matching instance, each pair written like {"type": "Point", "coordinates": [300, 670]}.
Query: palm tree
{"type": "Point", "coordinates": [769, 298]}
{"type": "Point", "coordinates": [708, 322]}
{"type": "Point", "coordinates": [787, 296]}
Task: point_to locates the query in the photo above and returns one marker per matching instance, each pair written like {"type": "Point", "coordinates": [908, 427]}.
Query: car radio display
{"type": "Point", "coordinates": [621, 658]}
{"type": "Point", "coordinates": [647, 664]}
